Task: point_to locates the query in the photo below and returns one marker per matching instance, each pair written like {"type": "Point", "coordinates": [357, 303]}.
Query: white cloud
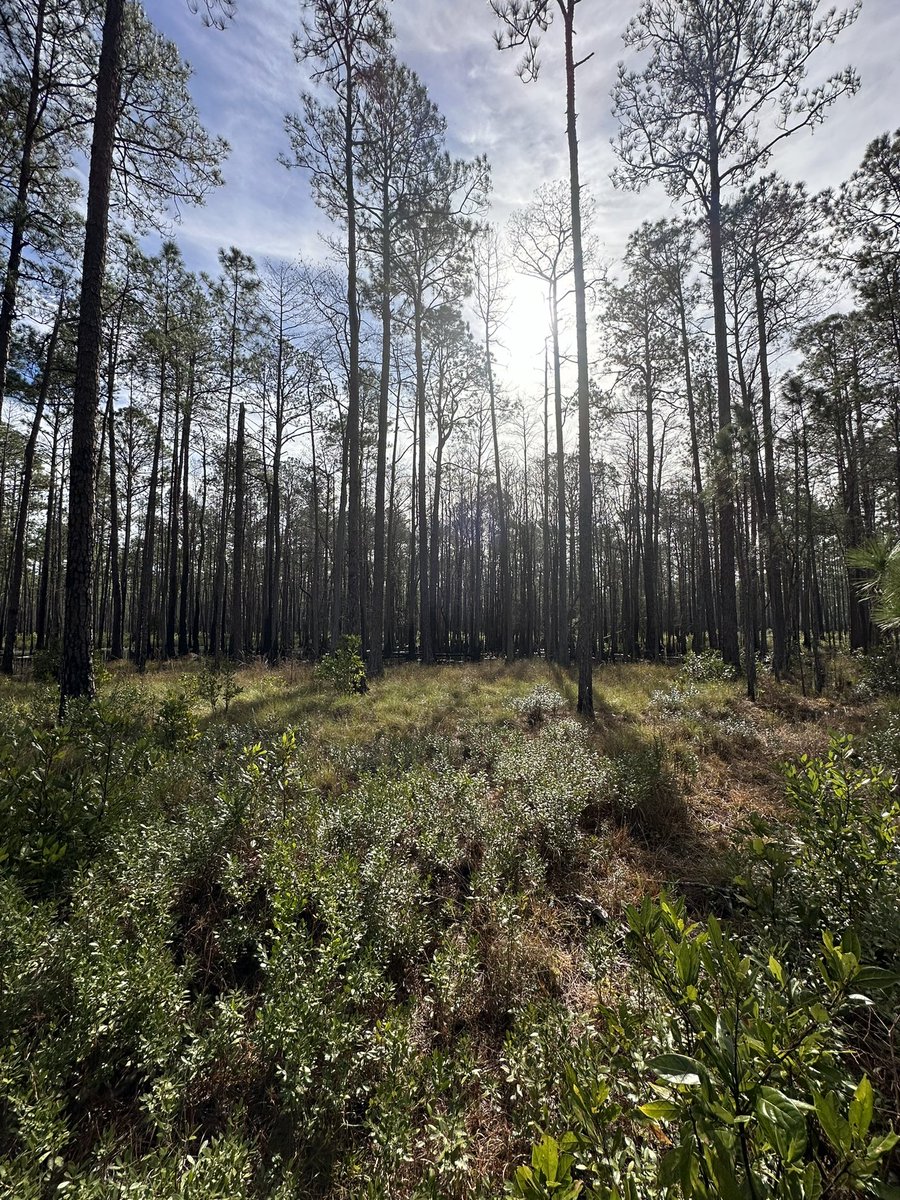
{"type": "Point", "coordinates": [246, 79]}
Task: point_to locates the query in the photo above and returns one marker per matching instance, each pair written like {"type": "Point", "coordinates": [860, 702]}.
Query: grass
{"type": "Point", "coordinates": [336, 945]}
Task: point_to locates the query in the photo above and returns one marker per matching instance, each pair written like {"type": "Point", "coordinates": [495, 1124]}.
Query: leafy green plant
{"type": "Point", "coordinates": [344, 668]}
{"type": "Point", "coordinates": [45, 664]}
{"type": "Point", "coordinates": [880, 671]}
{"type": "Point", "coordinates": [540, 703]}
{"type": "Point", "coordinates": [550, 1172]}
{"type": "Point", "coordinates": [706, 667]}
{"type": "Point", "coordinates": [737, 1088]}
{"type": "Point", "coordinates": [645, 791]}
{"type": "Point", "coordinates": [175, 724]}
{"type": "Point", "coordinates": [217, 683]}
{"type": "Point", "coordinates": [837, 864]}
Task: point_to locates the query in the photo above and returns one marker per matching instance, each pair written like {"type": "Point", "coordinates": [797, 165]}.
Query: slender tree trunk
{"type": "Point", "coordinates": [773, 533]}
{"type": "Point", "coordinates": [236, 643]}
{"type": "Point", "coordinates": [14, 591]}
{"type": "Point", "coordinates": [20, 208]}
{"type": "Point", "coordinates": [585, 488]}
{"type": "Point", "coordinates": [545, 515]}
{"type": "Point", "coordinates": [340, 539]}
{"type": "Point", "coordinates": [354, 498]}
{"type": "Point", "coordinates": [705, 550]}
{"type": "Point", "coordinates": [142, 635]}
{"type": "Point", "coordinates": [425, 628]}
{"type": "Point", "coordinates": [47, 555]}
{"type": "Point", "coordinates": [650, 543]}
{"type": "Point", "coordinates": [179, 452]}
{"type": "Point", "coordinates": [117, 649]}
{"type": "Point", "coordinates": [506, 616]}
{"type": "Point", "coordinates": [562, 578]}
{"type": "Point", "coordinates": [185, 501]}
{"type": "Point", "coordinates": [728, 615]}
{"type": "Point", "coordinates": [376, 646]}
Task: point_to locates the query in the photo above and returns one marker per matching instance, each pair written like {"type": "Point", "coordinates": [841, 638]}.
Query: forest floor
{"type": "Point", "coordinates": [356, 945]}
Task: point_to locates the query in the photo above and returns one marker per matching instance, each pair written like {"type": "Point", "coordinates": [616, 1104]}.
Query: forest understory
{"type": "Point", "coordinates": [261, 936]}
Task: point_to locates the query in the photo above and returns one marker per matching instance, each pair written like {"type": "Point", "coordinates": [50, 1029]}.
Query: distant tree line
{"type": "Point", "coordinates": [258, 461]}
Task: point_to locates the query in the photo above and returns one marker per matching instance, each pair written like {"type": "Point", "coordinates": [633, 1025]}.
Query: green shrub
{"type": "Point", "coordinates": [344, 668]}
{"type": "Point", "coordinates": [216, 682]}
{"type": "Point", "coordinates": [175, 724]}
{"type": "Point", "coordinates": [645, 792]}
{"type": "Point", "coordinates": [58, 783]}
{"type": "Point", "coordinates": [46, 663]}
{"type": "Point", "coordinates": [836, 864]}
{"type": "Point", "coordinates": [880, 671]}
{"type": "Point", "coordinates": [727, 1082]}
{"type": "Point", "coordinates": [706, 667]}
{"type": "Point", "coordinates": [540, 703]}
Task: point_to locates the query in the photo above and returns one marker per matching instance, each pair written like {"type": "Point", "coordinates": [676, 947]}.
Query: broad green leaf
{"type": "Point", "coordinates": [876, 977]}
{"type": "Point", "coordinates": [678, 1068]}
{"type": "Point", "coordinates": [836, 1129]}
{"type": "Point", "coordinates": [861, 1108]}
{"type": "Point", "coordinates": [661, 1110]}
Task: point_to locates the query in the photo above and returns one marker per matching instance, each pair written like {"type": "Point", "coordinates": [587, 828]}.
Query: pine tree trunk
{"type": "Point", "coordinates": [728, 615]}
{"type": "Point", "coordinates": [14, 591]}
{"type": "Point", "coordinates": [236, 647]}
{"type": "Point", "coordinates": [47, 554]}
{"type": "Point", "coordinates": [377, 638]}
{"type": "Point", "coordinates": [77, 674]}
{"type": "Point", "coordinates": [20, 208]}
{"type": "Point", "coordinates": [426, 644]}
{"type": "Point", "coordinates": [562, 578]}
{"type": "Point", "coordinates": [585, 490]}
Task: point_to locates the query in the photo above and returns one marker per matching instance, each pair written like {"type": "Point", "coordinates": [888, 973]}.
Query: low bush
{"type": "Point", "coordinates": [216, 682]}
{"type": "Point", "coordinates": [706, 667]}
{"type": "Point", "coordinates": [344, 668]}
{"type": "Point", "coordinates": [728, 1080]}
{"type": "Point", "coordinates": [645, 790]}
{"type": "Point", "coordinates": [540, 703]}
{"type": "Point", "coordinates": [732, 1066]}
{"type": "Point", "coordinates": [263, 964]}
{"type": "Point", "coordinates": [880, 671]}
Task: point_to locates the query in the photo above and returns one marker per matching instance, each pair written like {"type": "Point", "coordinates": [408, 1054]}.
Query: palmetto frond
{"type": "Point", "coordinates": [881, 558]}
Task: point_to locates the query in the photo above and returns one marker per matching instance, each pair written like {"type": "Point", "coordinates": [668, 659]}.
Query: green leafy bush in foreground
{"type": "Point", "coordinates": [731, 1074]}
{"type": "Point", "coordinates": [728, 1081]}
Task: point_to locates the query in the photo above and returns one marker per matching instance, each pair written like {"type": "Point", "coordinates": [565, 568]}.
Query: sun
{"type": "Point", "coordinates": [522, 338]}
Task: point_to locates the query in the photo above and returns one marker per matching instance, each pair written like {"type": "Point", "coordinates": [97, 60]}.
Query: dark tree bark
{"type": "Point", "coordinates": [14, 591]}
{"type": "Point", "coordinates": [237, 640]}
{"type": "Point", "coordinates": [20, 207]}
{"type": "Point", "coordinates": [77, 673]}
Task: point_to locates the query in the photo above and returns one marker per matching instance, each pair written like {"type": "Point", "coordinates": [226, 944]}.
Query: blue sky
{"type": "Point", "coordinates": [246, 79]}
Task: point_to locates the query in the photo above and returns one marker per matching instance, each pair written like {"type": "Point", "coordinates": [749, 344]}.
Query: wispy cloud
{"type": "Point", "coordinates": [246, 79]}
